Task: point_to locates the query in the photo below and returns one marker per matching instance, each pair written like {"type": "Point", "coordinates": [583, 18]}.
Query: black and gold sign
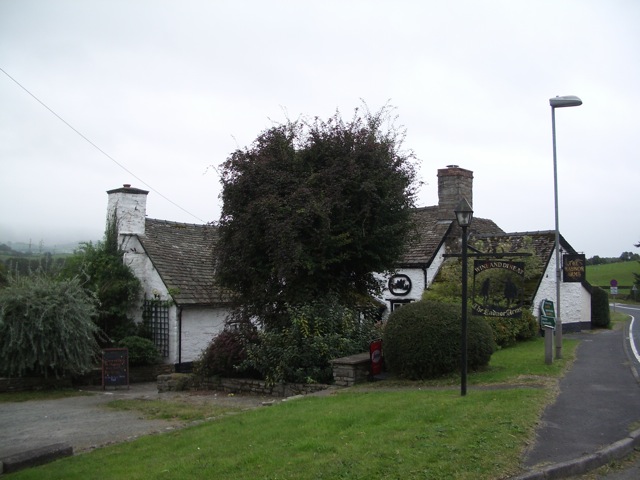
{"type": "Point", "coordinates": [574, 268]}
{"type": "Point", "coordinates": [498, 288]}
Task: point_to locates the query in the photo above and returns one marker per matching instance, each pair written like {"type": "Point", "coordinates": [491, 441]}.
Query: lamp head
{"type": "Point", "coordinates": [464, 213]}
{"type": "Point", "coordinates": [566, 101]}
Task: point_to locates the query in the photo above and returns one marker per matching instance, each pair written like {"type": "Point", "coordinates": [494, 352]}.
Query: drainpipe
{"type": "Point", "coordinates": [179, 335]}
{"type": "Point", "coordinates": [424, 269]}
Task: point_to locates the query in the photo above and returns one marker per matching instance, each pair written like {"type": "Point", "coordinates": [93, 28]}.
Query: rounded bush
{"type": "Point", "coordinates": [422, 340]}
{"type": "Point", "coordinates": [142, 351]}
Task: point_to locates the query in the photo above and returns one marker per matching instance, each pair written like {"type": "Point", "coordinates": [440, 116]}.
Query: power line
{"type": "Point", "coordinates": [97, 147]}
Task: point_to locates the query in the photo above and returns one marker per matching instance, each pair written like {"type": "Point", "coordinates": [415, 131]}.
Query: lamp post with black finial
{"type": "Point", "coordinates": [464, 215]}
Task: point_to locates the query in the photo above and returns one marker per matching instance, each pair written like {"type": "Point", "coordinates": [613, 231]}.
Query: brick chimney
{"type": "Point", "coordinates": [129, 206]}
{"type": "Point", "coordinates": [454, 183]}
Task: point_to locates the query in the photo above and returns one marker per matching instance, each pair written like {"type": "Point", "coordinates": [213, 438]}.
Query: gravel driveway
{"type": "Point", "coordinates": [85, 422]}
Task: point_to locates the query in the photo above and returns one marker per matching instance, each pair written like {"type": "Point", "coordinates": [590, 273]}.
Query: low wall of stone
{"type": "Point", "coordinates": [181, 381]}
{"type": "Point", "coordinates": [94, 377]}
{"type": "Point", "coordinates": [348, 371]}
{"type": "Point", "coordinates": [32, 383]}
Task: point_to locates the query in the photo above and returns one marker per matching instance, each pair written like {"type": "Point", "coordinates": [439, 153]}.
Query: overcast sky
{"type": "Point", "coordinates": [169, 88]}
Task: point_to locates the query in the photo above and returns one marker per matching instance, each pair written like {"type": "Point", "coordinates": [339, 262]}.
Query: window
{"type": "Point", "coordinates": [395, 304]}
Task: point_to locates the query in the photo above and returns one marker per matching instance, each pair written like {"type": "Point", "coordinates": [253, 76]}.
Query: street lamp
{"type": "Point", "coordinates": [558, 102]}
{"type": "Point", "coordinates": [464, 214]}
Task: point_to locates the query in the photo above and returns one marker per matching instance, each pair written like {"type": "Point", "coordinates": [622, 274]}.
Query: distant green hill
{"type": "Point", "coordinates": [601, 275]}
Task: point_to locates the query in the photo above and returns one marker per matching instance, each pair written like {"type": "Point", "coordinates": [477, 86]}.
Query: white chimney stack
{"type": "Point", "coordinates": [129, 207]}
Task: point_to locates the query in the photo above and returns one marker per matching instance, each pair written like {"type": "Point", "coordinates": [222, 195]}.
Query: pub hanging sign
{"type": "Point", "coordinates": [498, 288]}
{"type": "Point", "coordinates": [573, 268]}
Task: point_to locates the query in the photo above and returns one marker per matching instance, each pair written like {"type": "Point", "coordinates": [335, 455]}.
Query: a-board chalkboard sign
{"type": "Point", "coordinates": [115, 367]}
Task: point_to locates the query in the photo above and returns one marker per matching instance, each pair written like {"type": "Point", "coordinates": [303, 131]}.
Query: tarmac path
{"type": "Point", "coordinates": [598, 403]}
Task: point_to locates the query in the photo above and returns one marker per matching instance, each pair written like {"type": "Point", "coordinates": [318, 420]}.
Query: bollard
{"type": "Point", "coordinates": [548, 345]}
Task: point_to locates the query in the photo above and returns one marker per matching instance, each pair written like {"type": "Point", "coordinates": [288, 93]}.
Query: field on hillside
{"type": "Point", "coordinates": [601, 275]}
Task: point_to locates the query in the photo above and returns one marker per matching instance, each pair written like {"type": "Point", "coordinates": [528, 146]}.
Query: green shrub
{"type": "Point", "coordinates": [508, 331]}
{"type": "Point", "coordinates": [112, 282]}
{"type": "Point", "coordinates": [227, 352]}
{"type": "Point", "coordinates": [529, 327]}
{"type": "Point", "coordinates": [46, 327]}
{"type": "Point", "coordinates": [600, 313]}
{"type": "Point", "coordinates": [422, 340]}
{"type": "Point", "coordinates": [316, 333]}
{"type": "Point", "coordinates": [142, 351]}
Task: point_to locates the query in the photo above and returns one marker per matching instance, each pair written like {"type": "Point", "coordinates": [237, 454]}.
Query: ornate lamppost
{"type": "Point", "coordinates": [464, 214]}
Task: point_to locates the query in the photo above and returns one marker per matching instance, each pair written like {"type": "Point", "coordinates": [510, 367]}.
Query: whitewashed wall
{"type": "Point", "coordinates": [434, 268]}
{"type": "Point", "coordinates": [199, 326]}
{"type": "Point", "coordinates": [152, 286]}
{"type": "Point", "coordinates": [419, 283]}
{"type": "Point", "coordinates": [575, 300]}
{"type": "Point", "coordinates": [129, 210]}
{"type": "Point", "coordinates": [137, 259]}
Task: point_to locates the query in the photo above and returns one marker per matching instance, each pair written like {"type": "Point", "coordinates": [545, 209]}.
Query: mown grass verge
{"type": "Point", "coordinates": [177, 409]}
{"type": "Point", "coordinates": [408, 431]}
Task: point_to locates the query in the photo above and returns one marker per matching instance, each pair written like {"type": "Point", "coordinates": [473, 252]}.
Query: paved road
{"type": "Point", "coordinates": [631, 470]}
{"type": "Point", "coordinates": [634, 332]}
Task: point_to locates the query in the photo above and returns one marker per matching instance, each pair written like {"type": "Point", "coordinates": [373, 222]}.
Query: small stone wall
{"type": "Point", "coordinates": [94, 377]}
{"type": "Point", "coordinates": [147, 373]}
{"type": "Point", "coordinates": [181, 381]}
{"type": "Point", "coordinates": [32, 383]}
{"type": "Point", "coordinates": [348, 371]}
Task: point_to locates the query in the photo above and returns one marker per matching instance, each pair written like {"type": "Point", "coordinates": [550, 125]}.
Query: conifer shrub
{"type": "Point", "coordinates": [422, 340]}
{"type": "Point", "coordinates": [600, 314]}
{"type": "Point", "coordinates": [142, 351]}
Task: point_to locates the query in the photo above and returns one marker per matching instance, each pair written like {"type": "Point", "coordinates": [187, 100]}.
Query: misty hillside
{"type": "Point", "coordinates": [30, 248]}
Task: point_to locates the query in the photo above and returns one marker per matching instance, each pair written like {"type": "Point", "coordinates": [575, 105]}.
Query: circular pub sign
{"type": "Point", "coordinates": [400, 284]}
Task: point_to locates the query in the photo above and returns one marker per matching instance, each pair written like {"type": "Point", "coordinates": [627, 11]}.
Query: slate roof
{"type": "Point", "coordinates": [183, 256]}
{"type": "Point", "coordinates": [430, 231]}
{"type": "Point", "coordinates": [432, 228]}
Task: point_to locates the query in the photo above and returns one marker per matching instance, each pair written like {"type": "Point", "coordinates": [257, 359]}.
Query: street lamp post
{"type": "Point", "coordinates": [558, 102]}
{"type": "Point", "coordinates": [464, 214]}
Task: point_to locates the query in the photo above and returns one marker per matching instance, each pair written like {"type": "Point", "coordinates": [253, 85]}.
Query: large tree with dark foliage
{"type": "Point", "coordinates": [313, 208]}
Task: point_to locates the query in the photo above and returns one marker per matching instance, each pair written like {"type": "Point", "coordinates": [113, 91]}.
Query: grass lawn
{"type": "Point", "coordinates": [386, 430]}
{"type": "Point", "coordinates": [601, 275]}
{"type": "Point", "coordinates": [174, 410]}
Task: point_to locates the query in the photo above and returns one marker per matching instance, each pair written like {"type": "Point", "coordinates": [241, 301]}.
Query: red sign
{"type": "Point", "coordinates": [375, 353]}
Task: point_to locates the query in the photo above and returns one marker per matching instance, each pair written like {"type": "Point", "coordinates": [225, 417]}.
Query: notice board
{"type": "Point", "coordinates": [115, 367]}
